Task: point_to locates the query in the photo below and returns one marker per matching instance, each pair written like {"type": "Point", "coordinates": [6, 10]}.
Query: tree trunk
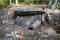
{"type": "Point", "coordinates": [10, 2]}
{"type": "Point", "coordinates": [5, 3]}
{"type": "Point", "coordinates": [40, 1]}
{"type": "Point", "coordinates": [32, 1]}
{"type": "Point", "coordinates": [50, 4]}
{"type": "Point", "coordinates": [26, 1]}
{"type": "Point", "coordinates": [37, 1]}
{"type": "Point", "coordinates": [16, 1]}
{"type": "Point", "coordinates": [55, 4]}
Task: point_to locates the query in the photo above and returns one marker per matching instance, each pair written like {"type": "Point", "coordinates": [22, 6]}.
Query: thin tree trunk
{"type": "Point", "coordinates": [16, 1]}
{"type": "Point", "coordinates": [40, 1]}
{"type": "Point", "coordinates": [37, 1]}
{"type": "Point", "coordinates": [26, 1]}
{"type": "Point", "coordinates": [56, 3]}
{"type": "Point", "coordinates": [32, 1]}
{"type": "Point", "coordinates": [5, 3]}
{"type": "Point", "coordinates": [50, 4]}
{"type": "Point", "coordinates": [10, 2]}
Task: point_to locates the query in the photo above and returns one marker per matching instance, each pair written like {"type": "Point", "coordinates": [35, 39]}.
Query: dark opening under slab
{"type": "Point", "coordinates": [30, 28]}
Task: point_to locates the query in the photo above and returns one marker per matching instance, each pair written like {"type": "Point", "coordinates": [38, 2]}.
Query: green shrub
{"type": "Point", "coordinates": [1, 6]}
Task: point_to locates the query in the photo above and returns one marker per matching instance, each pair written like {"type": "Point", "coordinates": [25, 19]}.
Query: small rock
{"type": "Point", "coordinates": [6, 31]}
{"type": "Point", "coordinates": [4, 22]}
{"type": "Point", "coordinates": [21, 37]}
{"type": "Point", "coordinates": [45, 38]}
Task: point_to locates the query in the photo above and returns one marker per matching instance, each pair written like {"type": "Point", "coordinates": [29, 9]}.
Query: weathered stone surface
{"type": "Point", "coordinates": [4, 22]}
{"type": "Point", "coordinates": [1, 32]}
{"type": "Point", "coordinates": [18, 29]}
{"type": "Point", "coordinates": [9, 38]}
{"type": "Point", "coordinates": [6, 31]}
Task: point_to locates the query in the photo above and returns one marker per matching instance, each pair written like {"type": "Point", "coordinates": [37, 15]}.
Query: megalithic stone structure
{"type": "Point", "coordinates": [50, 4]}
{"type": "Point", "coordinates": [16, 1]}
{"type": "Point", "coordinates": [55, 4]}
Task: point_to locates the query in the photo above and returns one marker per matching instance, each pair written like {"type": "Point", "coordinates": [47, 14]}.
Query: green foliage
{"type": "Point", "coordinates": [1, 4]}
{"type": "Point", "coordinates": [1, 1]}
{"type": "Point", "coordinates": [58, 7]}
{"type": "Point", "coordinates": [23, 1]}
{"type": "Point", "coordinates": [7, 2]}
